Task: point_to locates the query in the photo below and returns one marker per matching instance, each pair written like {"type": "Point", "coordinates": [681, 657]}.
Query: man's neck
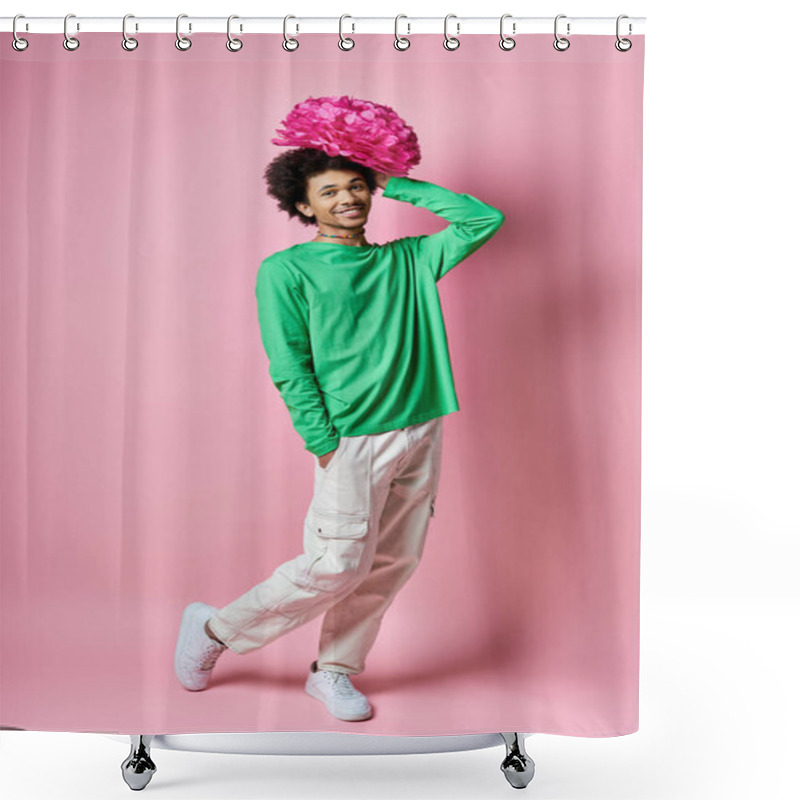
{"type": "Point", "coordinates": [344, 236]}
{"type": "Point", "coordinates": [346, 242]}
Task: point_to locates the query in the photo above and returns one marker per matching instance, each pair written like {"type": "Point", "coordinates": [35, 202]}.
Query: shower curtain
{"type": "Point", "coordinates": [150, 461]}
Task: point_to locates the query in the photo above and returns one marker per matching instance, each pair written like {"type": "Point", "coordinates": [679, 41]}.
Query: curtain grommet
{"type": "Point", "coordinates": [17, 42]}
{"type": "Point", "coordinates": [561, 43]}
{"type": "Point", "coordinates": [233, 44]}
{"type": "Point", "coordinates": [70, 42]}
{"type": "Point", "coordinates": [345, 42]}
{"type": "Point", "coordinates": [623, 45]}
{"type": "Point", "coordinates": [290, 44]}
{"type": "Point", "coordinates": [129, 43]}
{"type": "Point", "coordinates": [400, 42]}
{"type": "Point", "coordinates": [507, 42]}
{"type": "Point", "coordinates": [182, 42]}
{"type": "Point", "coordinates": [451, 42]}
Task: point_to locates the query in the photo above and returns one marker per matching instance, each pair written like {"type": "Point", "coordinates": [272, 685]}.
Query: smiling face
{"type": "Point", "coordinates": [339, 199]}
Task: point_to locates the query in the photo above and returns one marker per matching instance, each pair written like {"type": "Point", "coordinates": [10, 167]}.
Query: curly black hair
{"type": "Point", "coordinates": [286, 177]}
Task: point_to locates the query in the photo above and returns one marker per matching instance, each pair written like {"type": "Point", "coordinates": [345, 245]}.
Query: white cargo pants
{"type": "Point", "coordinates": [364, 535]}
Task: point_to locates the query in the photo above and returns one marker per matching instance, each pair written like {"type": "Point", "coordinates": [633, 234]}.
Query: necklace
{"type": "Point", "coordinates": [337, 236]}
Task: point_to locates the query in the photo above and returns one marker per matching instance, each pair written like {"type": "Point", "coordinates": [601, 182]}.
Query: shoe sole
{"type": "Point", "coordinates": [191, 613]}
{"type": "Point", "coordinates": [311, 690]}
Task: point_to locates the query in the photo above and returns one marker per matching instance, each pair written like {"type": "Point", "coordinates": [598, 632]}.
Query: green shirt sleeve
{"type": "Point", "coordinates": [283, 318]}
{"type": "Point", "coordinates": [472, 222]}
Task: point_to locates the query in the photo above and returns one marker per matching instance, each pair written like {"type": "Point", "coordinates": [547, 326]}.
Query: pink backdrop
{"type": "Point", "coordinates": [148, 460]}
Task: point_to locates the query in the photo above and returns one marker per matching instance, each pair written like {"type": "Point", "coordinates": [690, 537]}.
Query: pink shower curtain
{"type": "Point", "coordinates": [148, 460]}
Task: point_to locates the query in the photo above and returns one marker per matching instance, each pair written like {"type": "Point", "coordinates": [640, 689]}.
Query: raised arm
{"type": "Point", "coordinates": [472, 222]}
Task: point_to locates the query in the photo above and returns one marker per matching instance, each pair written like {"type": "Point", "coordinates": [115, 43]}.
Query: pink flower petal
{"type": "Point", "coordinates": [369, 133]}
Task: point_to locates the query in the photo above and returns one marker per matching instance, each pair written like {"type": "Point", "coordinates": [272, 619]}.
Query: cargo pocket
{"type": "Point", "coordinates": [340, 526]}
{"type": "Point", "coordinates": [342, 540]}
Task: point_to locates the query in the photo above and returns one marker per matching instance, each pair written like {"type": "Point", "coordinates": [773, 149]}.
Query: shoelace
{"type": "Point", "coordinates": [341, 684]}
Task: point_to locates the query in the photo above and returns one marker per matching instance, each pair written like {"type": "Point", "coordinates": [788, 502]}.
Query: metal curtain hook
{"type": "Point", "coordinates": [623, 45]}
{"type": "Point", "coordinates": [182, 42]}
{"type": "Point", "coordinates": [506, 42]}
{"type": "Point", "coordinates": [560, 42]}
{"type": "Point", "coordinates": [345, 42]}
{"type": "Point", "coordinates": [70, 42]}
{"type": "Point", "coordinates": [451, 42]}
{"type": "Point", "coordinates": [400, 42]}
{"type": "Point", "coordinates": [289, 43]}
{"type": "Point", "coordinates": [233, 44]}
{"type": "Point", "coordinates": [17, 42]}
{"type": "Point", "coordinates": [128, 42]}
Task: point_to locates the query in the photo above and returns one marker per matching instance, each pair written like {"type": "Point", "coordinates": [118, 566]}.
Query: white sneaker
{"type": "Point", "coordinates": [196, 652]}
{"type": "Point", "coordinates": [341, 698]}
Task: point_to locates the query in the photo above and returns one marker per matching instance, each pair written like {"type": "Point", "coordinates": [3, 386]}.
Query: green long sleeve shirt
{"type": "Point", "coordinates": [355, 336]}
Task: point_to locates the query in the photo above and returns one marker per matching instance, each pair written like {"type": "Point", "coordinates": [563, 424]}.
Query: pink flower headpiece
{"type": "Point", "coordinates": [365, 132]}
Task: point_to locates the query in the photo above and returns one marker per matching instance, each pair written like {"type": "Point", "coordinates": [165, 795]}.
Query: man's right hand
{"type": "Point", "coordinates": [325, 458]}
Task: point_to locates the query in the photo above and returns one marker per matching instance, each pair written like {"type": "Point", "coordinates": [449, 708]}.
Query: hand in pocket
{"type": "Point", "coordinates": [324, 460]}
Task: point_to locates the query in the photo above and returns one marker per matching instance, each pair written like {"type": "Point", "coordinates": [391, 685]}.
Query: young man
{"type": "Point", "coordinates": [357, 349]}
